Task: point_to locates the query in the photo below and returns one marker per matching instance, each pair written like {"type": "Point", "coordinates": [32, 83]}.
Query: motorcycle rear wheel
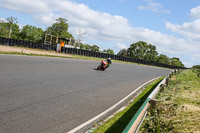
{"type": "Point", "coordinates": [99, 68]}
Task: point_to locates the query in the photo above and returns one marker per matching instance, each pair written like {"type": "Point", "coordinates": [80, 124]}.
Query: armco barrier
{"type": "Point", "coordinates": [133, 124]}
{"type": "Point", "coordinates": [23, 43]}
{"type": "Point", "coordinates": [137, 119]}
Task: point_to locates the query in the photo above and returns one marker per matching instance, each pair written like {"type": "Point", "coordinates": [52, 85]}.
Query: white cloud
{"type": "Point", "coordinates": [153, 6]}
{"type": "Point", "coordinates": [189, 30]}
{"type": "Point", "coordinates": [196, 58]}
{"type": "Point", "coordinates": [26, 6]}
{"type": "Point", "coordinates": [189, 65]}
{"type": "Point", "coordinates": [121, 46]}
{"type": "Point", "coordinates": [2, 20]}
{"type": "Point", "coordinates": [195, 12]}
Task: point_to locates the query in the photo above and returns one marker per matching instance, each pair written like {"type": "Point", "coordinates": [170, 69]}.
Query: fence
{"type": "Point", "coordinates": [37, 45]}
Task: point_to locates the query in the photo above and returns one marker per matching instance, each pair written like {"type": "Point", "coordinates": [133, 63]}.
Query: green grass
{"type": "Point", "coordinates": [118, 123]}
{"type": "Point", "coordinates": [178, 107]}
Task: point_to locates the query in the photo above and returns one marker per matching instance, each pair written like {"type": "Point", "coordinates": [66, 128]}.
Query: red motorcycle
{"type": "Point", "coordinates": [103, 65]}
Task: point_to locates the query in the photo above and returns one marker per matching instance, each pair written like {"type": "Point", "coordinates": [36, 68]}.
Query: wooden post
{"type": "Point", "coordinates": [167, 81]}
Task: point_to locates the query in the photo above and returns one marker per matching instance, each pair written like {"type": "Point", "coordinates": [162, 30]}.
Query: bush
{"type": "Point", "coordinates": [196, 69]}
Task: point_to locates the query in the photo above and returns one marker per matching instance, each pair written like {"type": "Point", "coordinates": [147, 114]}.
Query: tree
{"type": "Point", "coordinates": [196, 69]}
{"type": "Point", "coordinates": [60, 28]}
{"type": "Point", "coordinates": [11, 21]}
{"type": "Point", "coordinates": [15, 31]}
{"type": "Point", "coordinates": [95, 48]}
{"type": "Point", "coordinates": [85, 46]}
{"type": "Point", "coordinates": [151, 53]}
{"type": "Point", "coordinates": [141, 50]}
{"type": "Point", "coordinates": [175, 61]}
{"type": "Point", "coordinates": [9, 29]}
{"type": "Point", "coordinates": [32, 33]}
{"type": "Point", "coordinates": [4, 31]}
{"type": "Point", "coordinates": [137, 50]}
{"type": "Point", "coordinates": [163, 59]}
{"type": "Point", "coordinates": [80, 35]}
{"type": "Point", "coordinates": [109, 51]}
{"type": "Point", "coordinates": [122, 52]}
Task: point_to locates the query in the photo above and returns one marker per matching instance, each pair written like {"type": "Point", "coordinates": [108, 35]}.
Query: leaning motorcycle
{"type": "Point", "coordinates": [103, 65]}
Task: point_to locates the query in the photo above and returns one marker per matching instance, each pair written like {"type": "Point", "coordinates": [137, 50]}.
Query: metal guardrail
{"type": "Point", "coordinates": [138, 118]}
{"type": "Point", "coordinates": [135, 121]}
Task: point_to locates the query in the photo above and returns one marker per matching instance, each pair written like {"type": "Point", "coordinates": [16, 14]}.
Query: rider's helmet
{"type": "Point", "coordinates": [109, 60]}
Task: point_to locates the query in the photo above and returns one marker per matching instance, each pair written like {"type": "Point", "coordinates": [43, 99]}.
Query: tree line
{"type": "Point", "coordinates": [139, 50]}
{"type": "Point", "coordinates": [144, 51]}
{"type": "Point", "coordinates": [10, 29]}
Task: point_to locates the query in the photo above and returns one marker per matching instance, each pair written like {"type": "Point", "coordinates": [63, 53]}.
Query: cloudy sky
{"type": "Point", "coordinates": [173, 26]}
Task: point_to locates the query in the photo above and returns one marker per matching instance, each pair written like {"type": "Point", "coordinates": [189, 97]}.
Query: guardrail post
{"type": "Point", "coordinates": [167, 81]}
{"type": "Point", "coordinates": [170, 75]}
{"type": "Point", "coordinates": [153, 103]}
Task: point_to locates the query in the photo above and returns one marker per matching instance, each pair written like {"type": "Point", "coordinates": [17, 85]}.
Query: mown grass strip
{"type": "Point", "coordinates": [119, 122]}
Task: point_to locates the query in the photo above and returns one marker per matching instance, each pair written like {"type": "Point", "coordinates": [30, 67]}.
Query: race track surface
{"type": "Point", "coordinates": [53, 95]}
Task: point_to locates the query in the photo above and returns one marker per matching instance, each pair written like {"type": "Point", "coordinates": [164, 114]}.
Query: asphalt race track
{"type": "Point", "coordinates": [53, 95]}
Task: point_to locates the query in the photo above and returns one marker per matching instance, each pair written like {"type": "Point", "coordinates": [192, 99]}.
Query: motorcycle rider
{"type": "Point", "coordinates": [106, 63]}
{"type": "Point", "coordinates": [109, 62]}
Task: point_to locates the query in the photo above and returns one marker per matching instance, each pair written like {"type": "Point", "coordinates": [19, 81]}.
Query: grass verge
{"type": "Point", "coordinates": [178, 106]}
{"type": "Point", "coordinates": [118, 123]}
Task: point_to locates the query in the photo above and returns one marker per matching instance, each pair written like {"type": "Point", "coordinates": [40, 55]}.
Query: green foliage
{"type": "Point", "coordinates": [32, 33]}
{"type": "Point", "coordinates": [95, 48]}
{"type": "Point", "coordinates": [151, 53]}
{"type": "Point", "coordinates": [142, 50]}
{"type": "Point", "coordinates": [163, 59]}
{"type": "Point", "coordinates": [122, 52]}
{"type": "Point", "coordinates": [196, 69]}
{"type": "Point", "coordinates": [85, 46]}
{"type": "Point", "coordinates": [4, 29]}
{"type": "Point", "coordinates": [60, 28]}
{"type": "Point", "coordinates": [109, 51]}
{"type": "Point", "coordinates": [9, 29]}
{"type": "Point", "coordinates": [15, 31]}
{"type": "Point", "coordinates": [176, 62]}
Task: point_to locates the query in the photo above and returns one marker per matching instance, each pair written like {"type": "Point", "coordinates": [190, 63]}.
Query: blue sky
{"type": "Point", "coordinates": [173, 26]}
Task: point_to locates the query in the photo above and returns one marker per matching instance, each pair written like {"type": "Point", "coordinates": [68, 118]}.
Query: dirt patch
{"type": "Point", "coordinates": [31, 51]}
